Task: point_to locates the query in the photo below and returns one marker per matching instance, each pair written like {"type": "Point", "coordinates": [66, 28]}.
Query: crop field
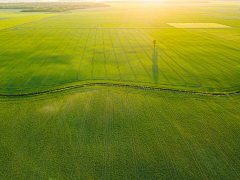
{"type": "Point", "coordinates": [85, 94]}
{"type": "Point", "coordinates": [86, 46]}
{"type": "Point", "coordinates": [119, 133]}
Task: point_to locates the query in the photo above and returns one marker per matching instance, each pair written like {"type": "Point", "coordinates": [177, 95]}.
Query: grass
{"type": "Point", "coordinates": [107, 132]}
{"type": "Point", "coordinates": [47, 53]}
{"type": "Point", "coordinates": [13, 18]}
{"type": "Point", "coordinates": [133, 134]}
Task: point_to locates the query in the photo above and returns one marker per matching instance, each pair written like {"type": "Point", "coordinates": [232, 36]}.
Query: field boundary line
{"type": "Point", "coordinates": [126, 86]}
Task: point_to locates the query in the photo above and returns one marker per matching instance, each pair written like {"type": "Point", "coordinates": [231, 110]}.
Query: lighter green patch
{"type": "Point", "coordinates": [198, 25]}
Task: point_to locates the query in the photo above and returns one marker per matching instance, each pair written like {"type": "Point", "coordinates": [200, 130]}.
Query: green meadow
{"type": "Point", "coordinates": [119, 133]}
{"type": "Point", "coordinates": [125, 108]}
{"type": "Point", "coordinates": [67, 48]}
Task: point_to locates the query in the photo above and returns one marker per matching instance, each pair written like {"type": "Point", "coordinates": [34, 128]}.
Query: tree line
{"type": "Point", "coordinates": [50, 6]}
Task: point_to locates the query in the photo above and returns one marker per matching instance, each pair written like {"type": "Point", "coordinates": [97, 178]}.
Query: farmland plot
{"type": "Point", "coordinates": [135, 131]}
{"type": "Point", "coordinates": [119, 133]}
{"type": "Point", "coordinates": [85, 46]}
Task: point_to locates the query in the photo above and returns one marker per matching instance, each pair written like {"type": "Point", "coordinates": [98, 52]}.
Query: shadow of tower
{"type": "Point", "coordinates": [155, 66]}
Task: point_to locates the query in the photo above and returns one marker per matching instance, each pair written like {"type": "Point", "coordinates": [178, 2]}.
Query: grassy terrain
{"type": "Point", "coordinates": [10, 18]}
{"type": "Point", "coordinates": [119, 133]}
{"type": "Point", "coordinates": [107, 132]}
{"type": "Point", "coordinates": [69, 49]}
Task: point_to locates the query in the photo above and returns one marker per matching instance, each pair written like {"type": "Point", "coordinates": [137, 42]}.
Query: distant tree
{"type": "Point", "coordinates": [154, 42]}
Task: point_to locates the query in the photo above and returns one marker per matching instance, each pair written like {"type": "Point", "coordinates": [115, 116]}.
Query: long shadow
{"type": "Point", "coordinates": [155, 66]}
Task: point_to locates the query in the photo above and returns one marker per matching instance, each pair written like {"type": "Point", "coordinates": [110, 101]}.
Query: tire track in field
{"type": "Point", "coordinates": [14, 42]}
{"type": "Point", "coordinates": [43, 63]}
{"type": "Point", "coordinates": [218, 42]}
{"type": "Point", "coordinates": [14, 79]}
{"type": "Point", "coordinates": [81, 138]}
{"type": "Point", "coordinates": [82, 57]}
{"type": "Point", "coordinates": [211, 71]}
{"type": "Point", "coordinates": [60, 79]}
{"type": "Point", "coordinates": [196, 73]}
{"type": "Point", "coordinates": [150, 59]}
{"type": "Point", "coordinates": [18, 53]}
{"type": "Point", "coordinates": [139, 151]}
{"type": "Point", "coordinates": [53, 67]}
{"type": "Point", "coordinates": [219, 55]}
{"type": "Point", "coordinates": [205, 129]}
{"type": "Point", "coordinates": [234, 112]}
{"type": "Point", "coordinates": [178, 63]}
{"type": "Point", "coordinates": [115, 56]}
{"type": "Point", "coordinates": [162, 58]}
{"type": "Point", "coordinates": [174, 117]}
{"type": "Point", "coordinates": [177, 53]}
{"type": "Point", "coordinates": [223, 122]}
{"type": "Point", "coordinates": [184, 57]}
{"type": "Point", "coordinates": [149, 76]}
{"type": "Point", "coordinates": [104, 168]}
{"type": "Point", "coordinates": [132, 137]}
{"type": "Point", "coordinates": [15, 27]}
{"type": "Point", "coordinates": [25, 57]}
{"type": "Point", "coordinates": [213, 39]}
{"type": "Point", "coordinates": [48, 150]}
{"type": "Point", "coordinates": [151, 114]}
{"type": "Point", "coordinates": [220, 69]}
{"type": "Point", "coordinates": [9, 167]}
{"type": "Point", "coordinates": [202, 127]}
{"type": "Point", "coordinates": [34, 131]}
{"type": "Point", "coordinates": [94, 49]}
{"type": "Point", "coordinates": [105, 62]}
{"type": "Point", "coordinates": [212, 45]}
{"type": "Point", "coordinates": [127, 58]}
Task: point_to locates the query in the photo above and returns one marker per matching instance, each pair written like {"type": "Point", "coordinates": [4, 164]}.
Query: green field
{"type": "Point", "coordinates": [68, 49]}
{"type": "Point", "coordinates": [121, 112]}
{"type": "Point", "coordinates": [120, 133]}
